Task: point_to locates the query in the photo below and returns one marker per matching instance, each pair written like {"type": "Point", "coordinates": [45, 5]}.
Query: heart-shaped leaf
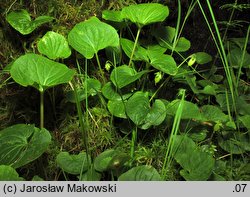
{"type": "Point", "coordinates": [92, 35]}
{"type": "Point", "coordinates": [236, 60]}
{"type": "Point", "coordinates": [21, 144]}
{"type": "Point", "coordinates": [110, 92]}
{"type": "Point", "coordinates": [124, 75]}
{"type": "Point", "coordinates": [164, 34]}
{"type": "Point", "coordinates": [145, 13]}
{"type": "Point", "coordinates": [102, 161]}
{"type": "Point", "coordinates": [202, 58]}
{"type": "Point", "coordinates": [189, 111]}
{"type": "Point", "coordinates": [141, 173]}
{"type": "Point", "coordinates": [54, 46]}
{"type": "Point", "coordinates": [117, 108]}
{"type": "Point", "coordinates": [165, 37]}
{"type": "Point", "coordinates": [138, 107]}
{"type": "Point", "coordinates": [156, 115]}
{"type": "Point", "coordinates": [213, 113]}
{"type": "Point", "coordinates": [245, 120]}
{"type": "Point", "coordinates": [7, 173]}
{"type": "Point", "coordinates": [154, 50]}
{"type": "Point", "coordinates": [182, 45]}
{"type": "Point", "coordinates": [140, 54]}
{"type": "Point", "coordinates": [21, 21]}
{"type": "Point", "coordinates": [197, 165]}
{"type": "Point", "coordinates": [91, 175]}
{"type": "Point", "coordinates": [39, 72]}
{"type": "Point", "coordinates": [93, 86]}
{"type": "Point", "coordinates": [73, 164]}
{"type": "Point", "coordinates": [164, 63]}
{"type": "Point", "coordinates": [234, 142]}
{"type": "Point", "coordinates": [112, 15]}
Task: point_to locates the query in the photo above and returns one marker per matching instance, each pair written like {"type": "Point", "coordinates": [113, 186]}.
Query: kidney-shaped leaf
{"type": "Point", "coordinates": [7, 173]}
{"type": "Point", "coordinates": [141, 173]}
{"type": "Point", "coordinates": [54, 45]}
{"type": "Point", "coordinates": [40, 72]}
{"type": "Point", "coordinates": [145, 13]}
{"type": "Point", "coordinates": [20, 144]}
{"type": "Point", "coordinates": [21, 21]}
{"type": "Point", "coordinates": [73, 164]}
{"type": "Point", "coordinates": [124, 75]}
{"type": "Point", "coordinates": [90, 36]}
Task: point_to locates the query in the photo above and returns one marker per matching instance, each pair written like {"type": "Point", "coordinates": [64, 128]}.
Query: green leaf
{"type": "Point", "coordinates": [37, 178]}
{"type": "Point", "coordinates": [21, 144]}
{"type": "Point", "coordinates": [165, 37]}
{"type": "Point", "coordinates": [138, 107]}
{"type": "Point", "coordinates": [103, 160]}
{"type": "Point", "coordinates": [213, 113]}
{"type": "Point", "coordinates": [156, 115]}
{"type": "Point", "coordinates": [22, 22]}
{"type": "Point", "coordinates": [54, 46]}
{"type": "Point", "coordinates": [145, 13]}
{"type": "Point", "coordinates": [235, 58]}
{"type": "Point", "coordinates": [92, 35]}
{"type": "Point", "coordinates": [110, 92]}
{"type": "Point", "coordinates": [189, 111]}
{"type": "Point", "coordinates": [154, 50]}
{"type": "Point", "coordinates": [117, 108]}
{"type": "Point", "coordinates": [123, 75]}
{"type": "Point", "coordinates": [140, 53]}
{"type": "Point", "coordinates": [7, 173]}
{"type": "Point", "coordinates": [39, 72]}
{"type": "Point", "coordinates": [112, 15]}
{"type": "Point", "coordinates": [245, 120]}
{"type": "Point", "coordinates": [141, 173]}
{"type": "Point", "coordinates": [210, 90]}
{"type": "Point", "coordinates": [197, 165]}
{"type": "Point", "coordinates": [182, 45]}
{"type": "Point", "coordinates": [202, 58]}
{"type": "Point", "coordinates": [73, 164]}
{"type": "Point", "coordinates": [93, 87]}
{"type": "Point", "coordinates": [91, 175]}
{"type": "Point", "coordinates": [164, 63]}
{"type": "Point", "coordinates": [234, 142]}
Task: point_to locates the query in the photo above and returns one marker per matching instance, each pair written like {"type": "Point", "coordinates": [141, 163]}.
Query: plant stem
{"type": "Point", "coordinates": [80, 114]}
{"type": "Point", "coordinates": [136, 41]}
{"type": "Point", "coordinates": [177, 27]}
{"type": "Point", "coordinates": [177, 119]}
{"type": "Point", "coordinates": [133, 142]}
{"type": "Point", "coordinates": [41, 110]}
{"type": "Point", "coordinates": [100, 68]}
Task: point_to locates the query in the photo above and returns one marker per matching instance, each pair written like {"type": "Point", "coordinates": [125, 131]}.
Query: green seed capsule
{"type": "Point", "coordinates": [158, 77]}
{"type": "Point", "coordinates": [108, 66]}
{"type": "Point", "coordinates": [192, 60]}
